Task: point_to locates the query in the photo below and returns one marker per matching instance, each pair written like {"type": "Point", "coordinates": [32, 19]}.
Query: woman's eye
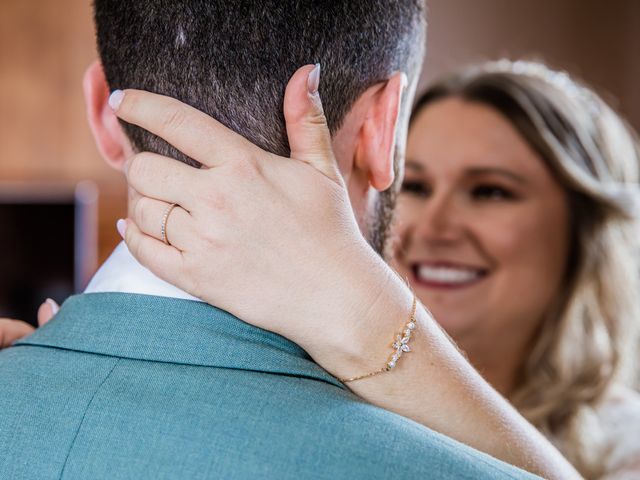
{"type": "Point", "coordinates": [491, 192]}
{"type": "Point", "coordinates": [415, 188]}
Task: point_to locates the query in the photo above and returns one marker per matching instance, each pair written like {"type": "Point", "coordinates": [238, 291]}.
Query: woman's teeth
{"type": "Point", "coordinates": [447, 275]}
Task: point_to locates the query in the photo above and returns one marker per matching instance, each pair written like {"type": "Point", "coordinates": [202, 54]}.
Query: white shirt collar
{"type": "Point", "coordinates": [122, 273]}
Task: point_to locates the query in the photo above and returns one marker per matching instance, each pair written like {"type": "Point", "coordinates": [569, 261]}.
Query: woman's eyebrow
{"type": "Point", "coordinates": [414, 165]}
{"type": "Point", "coordinates": [476, 171]}
{"type": "Point", "coordinates": [418, 167]}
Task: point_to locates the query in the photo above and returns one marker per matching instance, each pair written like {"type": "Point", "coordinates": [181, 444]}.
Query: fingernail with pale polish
{"type": "Point", "coordinates": [313, 81]}
{"type": "Point", "coordinates": [405, 81]}
{"type": "Point", "coordinates": [115, 99]}
{"type": "Point", "coordinates": [121, 226]}
{"type": "Point", "coordinates": [54, 306]}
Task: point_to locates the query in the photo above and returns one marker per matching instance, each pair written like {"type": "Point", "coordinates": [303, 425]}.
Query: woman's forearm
{"type": "Point", "coordinates": [433, 384]}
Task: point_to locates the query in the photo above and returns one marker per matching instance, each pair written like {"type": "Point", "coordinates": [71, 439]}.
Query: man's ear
{"type": "Point", "coordinates": [377, 137]}
{"type": "Point", "coordinates": [113, 144]}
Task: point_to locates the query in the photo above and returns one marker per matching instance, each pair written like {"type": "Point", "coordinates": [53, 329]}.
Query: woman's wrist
{"type": "Point", "coordinates": [356, 334]}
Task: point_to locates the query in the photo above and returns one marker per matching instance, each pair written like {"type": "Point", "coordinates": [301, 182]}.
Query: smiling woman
{"type": "Point", "coordinates": [481, 217]}
{"type": "Point", "coordinates": [517, 229]}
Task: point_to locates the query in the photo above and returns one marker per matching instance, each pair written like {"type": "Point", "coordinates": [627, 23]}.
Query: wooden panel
{"type": "Point", "coordinates": [45, 46]}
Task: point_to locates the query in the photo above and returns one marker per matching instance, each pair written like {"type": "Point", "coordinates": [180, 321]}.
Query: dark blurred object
{"type": "Point", "coordinates": [48, 244]}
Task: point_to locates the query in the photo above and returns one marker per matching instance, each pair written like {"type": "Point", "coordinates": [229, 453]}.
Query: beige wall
{"type": "Point", "coordinates": [45, 46]}
{"type": "Point", "coordinates": [594, 39]}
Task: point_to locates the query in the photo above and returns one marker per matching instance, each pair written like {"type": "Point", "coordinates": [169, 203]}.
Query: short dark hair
{"type": "Point", "coordinates": [232, 59]}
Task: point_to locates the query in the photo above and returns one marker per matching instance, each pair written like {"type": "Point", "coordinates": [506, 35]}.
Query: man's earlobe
{"type": "Point", "coordinates": [112, 144]}
{"type": "Point", "coordinates": [376, 152]}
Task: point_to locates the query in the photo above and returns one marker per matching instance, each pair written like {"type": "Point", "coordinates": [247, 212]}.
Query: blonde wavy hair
{"type": "Point", "coordinates": [586, 342]}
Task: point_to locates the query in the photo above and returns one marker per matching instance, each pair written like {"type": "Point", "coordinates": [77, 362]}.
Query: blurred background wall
{"type": "Point", "coordinates": [596, 40]}
{"type": "Point", "coordinates": [45, 45]}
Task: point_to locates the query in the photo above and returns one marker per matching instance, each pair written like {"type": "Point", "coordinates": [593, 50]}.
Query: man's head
{"type": "Point", "coordinates": [232, 60]}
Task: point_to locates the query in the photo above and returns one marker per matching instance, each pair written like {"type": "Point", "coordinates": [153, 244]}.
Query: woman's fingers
{"type": "Point", "coordinates": [307, 129]}
{"type": "Point", "coordinates": [149, 216]}
{"type": "Point", "coordinates": [12, 330]}
{"type": "Point", "coordinates": [163, 178]}
{"type": "Point", "coordinates": [46, 311]}
{"type": "Point", "coordinates": [184, 127]}
{"type": "Point", "coordinates": [163, 260]}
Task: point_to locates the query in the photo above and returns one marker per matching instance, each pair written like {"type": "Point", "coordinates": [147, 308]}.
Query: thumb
{"type": "Point", "coordinates": [307, 129]}
{"type": "Point", "coordinates": [46, 311]}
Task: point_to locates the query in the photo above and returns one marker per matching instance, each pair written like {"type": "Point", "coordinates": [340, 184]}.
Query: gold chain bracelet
{"type": "Point", "coordinates": [400, 346]}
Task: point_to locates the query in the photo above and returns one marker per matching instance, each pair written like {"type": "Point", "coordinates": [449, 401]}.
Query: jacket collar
{"type": "Point", "coordinates": [162, 329]}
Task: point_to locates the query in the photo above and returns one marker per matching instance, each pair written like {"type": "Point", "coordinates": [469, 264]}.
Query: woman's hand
{"type": "Point", "coordinates": [13, 330]}
{"type": "Point", "coordinates": [274, 241]}
{"type": "Point", "coordinates": [267, 238]}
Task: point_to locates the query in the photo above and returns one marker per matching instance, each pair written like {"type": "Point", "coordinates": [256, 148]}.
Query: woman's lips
{"type": "Point", "coordinates": [446, 275]}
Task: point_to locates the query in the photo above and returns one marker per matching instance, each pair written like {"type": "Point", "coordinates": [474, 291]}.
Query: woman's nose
{"type": "Point", "coordinates": [440, 220]}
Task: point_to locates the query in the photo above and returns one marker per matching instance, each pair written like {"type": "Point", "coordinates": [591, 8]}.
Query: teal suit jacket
{"type": "Point", "coordinates": [122, 386]}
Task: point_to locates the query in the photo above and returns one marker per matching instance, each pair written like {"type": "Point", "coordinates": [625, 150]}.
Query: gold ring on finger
{"type": "Point", "coordinates": [165, 218]}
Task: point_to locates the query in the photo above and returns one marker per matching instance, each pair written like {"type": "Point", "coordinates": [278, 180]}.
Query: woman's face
{"type": "Point", "coordinates": [483, 225]}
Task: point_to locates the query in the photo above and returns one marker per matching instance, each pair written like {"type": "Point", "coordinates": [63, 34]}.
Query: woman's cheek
{"type": "Point", "coordinates": [529, 257]}
{"type": "Point", "coordinates": [406, 216]}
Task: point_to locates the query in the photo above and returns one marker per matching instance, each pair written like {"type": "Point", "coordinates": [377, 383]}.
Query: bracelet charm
{"type": "Point", "coordinates": [400, 346]}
